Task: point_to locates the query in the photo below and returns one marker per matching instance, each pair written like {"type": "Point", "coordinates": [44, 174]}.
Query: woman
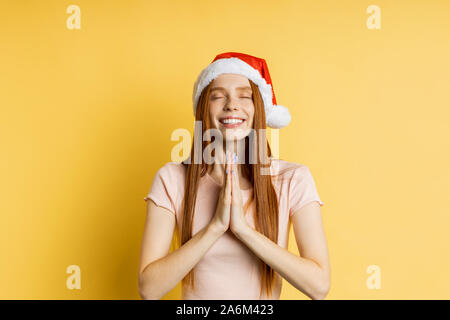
{"type": "Point", "coordinates": [233, 213]}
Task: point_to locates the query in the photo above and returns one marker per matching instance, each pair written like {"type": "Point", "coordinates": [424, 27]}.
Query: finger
{"type": "Point", "coordinates": [225, 175]}
{"type": "Point", "coordinates": [228, 185]}
{"type": "Point", "coordinates": [224, 181]}
{"type": "Point", "coordinates": [236, 193]}
{"type": "Point", "coordinates": [228, 168]}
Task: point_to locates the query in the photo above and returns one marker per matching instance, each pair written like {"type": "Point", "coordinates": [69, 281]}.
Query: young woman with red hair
{"type": "Point", "coordinates": [233, 213]}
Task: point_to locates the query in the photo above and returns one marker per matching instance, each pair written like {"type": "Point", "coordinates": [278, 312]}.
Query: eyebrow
{"type": "Point", "coordinates": [245, 88]}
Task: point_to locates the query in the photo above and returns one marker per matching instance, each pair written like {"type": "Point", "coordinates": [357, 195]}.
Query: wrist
{"type": "Point", "coordinates": [216, 229]}
{"type": "Point", "coordinates": [242, 231]}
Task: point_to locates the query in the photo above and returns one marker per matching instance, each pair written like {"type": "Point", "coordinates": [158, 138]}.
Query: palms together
{"type": "Point", "coordinates": [237, 218]}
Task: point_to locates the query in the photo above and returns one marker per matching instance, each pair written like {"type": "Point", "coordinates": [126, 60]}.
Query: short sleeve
{"type": "Point", "coordinates": [302, 189]}
{"type": "Point", "coordinates": [163, 190]}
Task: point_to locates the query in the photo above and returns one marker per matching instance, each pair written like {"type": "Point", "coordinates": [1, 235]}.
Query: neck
{"type": "Point", "coordinates": [217, 169]}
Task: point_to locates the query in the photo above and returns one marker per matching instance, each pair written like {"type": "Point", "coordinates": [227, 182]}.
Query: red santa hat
{"type": "Point", "coordinates": [253, 68]}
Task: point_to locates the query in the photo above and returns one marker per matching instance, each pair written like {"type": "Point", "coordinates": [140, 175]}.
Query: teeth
{"type": "Point", "coordinates": [232, 121]}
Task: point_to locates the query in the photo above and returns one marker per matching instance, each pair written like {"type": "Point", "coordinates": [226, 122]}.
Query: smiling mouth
{"type": "Point", "coordinates": [231, 123]}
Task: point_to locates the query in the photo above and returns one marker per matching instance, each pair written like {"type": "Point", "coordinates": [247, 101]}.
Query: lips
{"type": "Point", "coordinates": [231, 122]}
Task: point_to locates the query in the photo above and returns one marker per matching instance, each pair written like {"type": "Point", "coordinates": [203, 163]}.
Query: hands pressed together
{"type": "Point", "coordinates": [230, 211]}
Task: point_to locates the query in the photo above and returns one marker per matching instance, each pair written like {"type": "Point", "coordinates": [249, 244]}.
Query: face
{"type": "Point", "coordinates": [231, 106]}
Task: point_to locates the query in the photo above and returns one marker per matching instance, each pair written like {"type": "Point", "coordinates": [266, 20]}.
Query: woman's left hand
{"type": "Point", "coordinates": [238, 222]}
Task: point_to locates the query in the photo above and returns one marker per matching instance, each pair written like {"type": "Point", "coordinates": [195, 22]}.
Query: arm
{"type": "Point", "coordinates": [309, 272]}
{"type": "Point", "coordinates": [160, 272]}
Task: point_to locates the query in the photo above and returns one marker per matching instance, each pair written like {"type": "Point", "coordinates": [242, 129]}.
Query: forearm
{"type": "Point", "coordinates": [304, 274]}
{"type": "Point", "coordinates": [162, 275]}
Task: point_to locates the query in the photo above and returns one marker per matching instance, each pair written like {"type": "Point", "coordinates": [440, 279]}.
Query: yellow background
{"type": "Point", "coordinates": [86, 118]}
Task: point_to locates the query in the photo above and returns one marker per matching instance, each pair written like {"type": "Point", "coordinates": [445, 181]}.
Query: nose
{"type": "Point", "coordinates": [231, 105]}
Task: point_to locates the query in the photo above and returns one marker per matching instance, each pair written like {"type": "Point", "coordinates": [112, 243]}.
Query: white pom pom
{"type": "Point", "coordinates": [278, 117]}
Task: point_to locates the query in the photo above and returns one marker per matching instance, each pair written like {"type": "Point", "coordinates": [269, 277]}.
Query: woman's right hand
{"type": "Point", "coordinates": [221, 219]}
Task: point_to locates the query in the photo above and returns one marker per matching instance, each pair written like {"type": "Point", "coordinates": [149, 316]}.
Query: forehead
{"type": "Point", "coordinates": [243, 89]}
{"type": "Point", "coordinates": [231, 81]}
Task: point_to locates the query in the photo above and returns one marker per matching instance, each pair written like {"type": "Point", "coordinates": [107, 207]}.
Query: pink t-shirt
{"type": "Point", "coordinates": [229, 269]}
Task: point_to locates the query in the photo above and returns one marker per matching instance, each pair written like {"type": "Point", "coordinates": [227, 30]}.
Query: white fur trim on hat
{"type": "Point", "coordinates": [276, 116]}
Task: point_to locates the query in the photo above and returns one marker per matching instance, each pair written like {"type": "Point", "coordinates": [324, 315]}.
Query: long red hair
{"type": "Point", "coordinates": [264, 195]}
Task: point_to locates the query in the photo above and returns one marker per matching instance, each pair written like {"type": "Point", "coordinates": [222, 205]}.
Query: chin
{"type": "Point", "coordinates": [235, 134]}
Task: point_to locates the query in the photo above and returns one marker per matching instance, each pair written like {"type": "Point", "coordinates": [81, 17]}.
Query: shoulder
{"type": "Point", "coordinates": [287, 169]}
{"type": "Point", "coordinates": [173, 166]}
{"type": "Point", "coordinates": [294, 175]}
{"type": "Point", "coordinates": [172, 170]}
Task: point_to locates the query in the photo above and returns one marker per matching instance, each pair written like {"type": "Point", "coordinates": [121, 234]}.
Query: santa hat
{"type": "Point", "coordinates": [254, 69]}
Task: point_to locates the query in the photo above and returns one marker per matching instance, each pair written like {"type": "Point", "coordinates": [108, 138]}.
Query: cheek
{"type": "Point", "coordinates": [213, 110]}
{"type": "Point", "coordinates": [250, 122]}
{"type": "Point", "coordinates": [216, 104]}
{"type": "Point", "coordinates": [251, 114]}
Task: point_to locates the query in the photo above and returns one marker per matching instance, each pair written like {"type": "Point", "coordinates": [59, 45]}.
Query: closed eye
{"type": "Point", "coordinates": [214, 98]}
